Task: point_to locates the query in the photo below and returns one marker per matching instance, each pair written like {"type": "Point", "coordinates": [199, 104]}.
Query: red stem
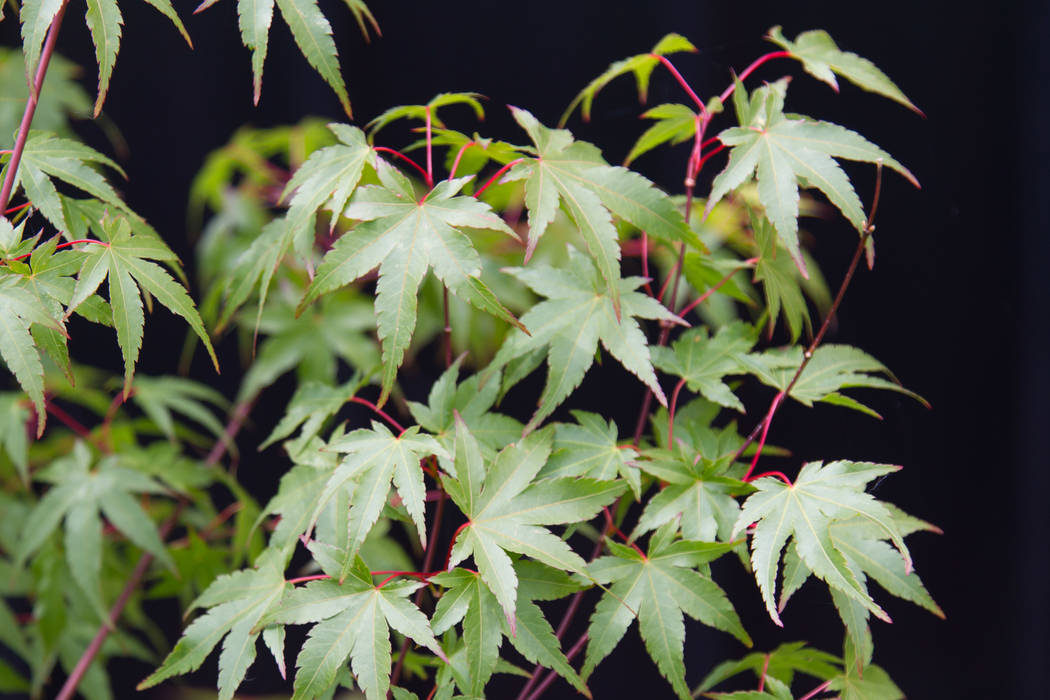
{"type": "Point", "coordinates": [813, 693]}
{"type": "Point", "coordinates": [64, 245]}
{"type": "Point", "coordinates": [304, 579]}
{"type": "Point", "coordinates": [20, 207]}
{"type": "Point", "coordinates": [645, 263]}
{"type": "Point", "coordinates": [671, 407]}
{"type": "Point", "coordinates": [765, 431]}
{"type": "Point", "coordinates": [611, 526]}
{"type": "Point", "coordinates": [34, 96]}
{"type": "Point", "coordinates": [68, 420]}
{"type": "Point", "coordinates": [703, 297]}
{"type": "Point", "coordinates": [751, 69]}
{"type": "Point", "coordinates": [495, 177]}
{"type": "Point", "coordinates": [452, 543]}
{"type": "Point", "coordinates": [762, 676]}
{"type": "Point", "coordinates": [780, 475]}
{"type": "Point", "coordinates": [459, 156]}
{"type": "Point", "coordinates": [551, 675]}
{"type": "Point", "coordinates": [402, 156]}
{"type": "Point", "coordinates": [379, 412]}
{"type": "Point", "coordinates": [681, 81]}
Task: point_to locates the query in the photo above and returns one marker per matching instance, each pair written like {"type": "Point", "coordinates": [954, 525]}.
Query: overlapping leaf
{"type": "Point", "coordinates": [353, 621]}
{"type": "Point", "coordinates": [509, 513]}
{"type": "Point", "coordinates": [704, 361]}
{"type": "Point", "coordinates": [578, 313]}
{"type": "Point", "coordinates": [831, 369]}
{"type": "Point", "coordinates": [823, 59]}
{"type": "Point", "coordinates": [237, 603]}
{"type": "Point", "coordinates": [591, 191]}
{"type": "Point", "coordinates": [658, 587]}
{"type": "Point", "coordinates": [79, 496]}
{"type": "Point", "coordinates": [589, 448]}
{"type": "Point", "coordinates": [125, 261]}
{"type": "Point", "coordinates": [805, 512]}
{"type": "Point", "coordinates": [784, 152]}
{"type": "Point", "coordinates": [404, 238]}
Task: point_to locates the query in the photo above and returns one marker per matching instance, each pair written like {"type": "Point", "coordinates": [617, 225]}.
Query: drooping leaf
{"type": "Point", "coordinates": [823, 59]}
{"type": "Point", "coordinates": [704, 361]}
{"type": "Point", "coordinates": [805, 512]}
{"type": "Point", "coordinates": [641, 66]}
{"type": "Point", "coordinates": [104, 21]}
{"type": "Point", "coordinates": [675, 123]}
{"type": "Point", "coordinates": [14, 415]}
{"type": "Point", "coordinates": [405, 237]}
{"type": "Point", "coordinates": [780, 280]}
{"type": "Point", "coordinates": [373, 459]}
{"type": "Point", "coordinates": [785, 152]}
{"type": "Point", "coordinates": [254, 18]}
{"type": "Point", "coordinates": [591, 191]}
{"type": "Point", "coordinates": [578, 313]}
{"type": "Point", "coordinates": [353, 621]}
{"type": "Point", "coordinates": [36, 17]}
{"type": "Point", "coordinates": [508, 513]}
{"type": "Point", "coordinates": [160, 397]}
{"type": "Point", "coordinates": [831, 369]}
{"type": "Point", "coordinates": [313, 35]}
{"type": "Point", "coordinates": [658, 587]}
{"type": "Point", "coordinates": [47, 156]}
{"type": "Point", "coordinates": [237, 603]}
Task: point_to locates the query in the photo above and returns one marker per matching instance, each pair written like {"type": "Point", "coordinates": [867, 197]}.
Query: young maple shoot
{"type": "Point", "coordinates": [317, 258]}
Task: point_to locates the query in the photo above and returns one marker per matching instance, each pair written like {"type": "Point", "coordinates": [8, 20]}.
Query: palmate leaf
{"type": "Point", "coordinates": [467, 599]}
{"type": "Point", "coordinates": [508, 513]}
{"type": "Point", "coordinates": [591, 191]}
{"type": "Point", "coordinates": [641, 66]}
{"type": "Point", "coordinates": [353, 620]}
{"type": "Point", "coordinates": [805, 512]}
{"type": "Point", "coordinates": [578, 313]}
{"type": "Point", "coordinates": [823, 59]}
{"type": "Point", "coordinates": [125, 260]}
{"type": "Point", "coordinates": [374, 458]}
{"type": "Point", "coordinates": [47, 156]}
{"type": "Point", "coordinates": [160, 397]}
{"type": "Point", "coordinates": [658, 587]}
{"type": "Point", "coordinates": [79, 497]}
{"type": "Point", "coordinates": [779, 276]}
{"type": "Point", "coordinates": [405, 238]}
{"type": "Point", "coordinates": [22, 310]}
{"type": "Point", "coordinates": [783, 663]}
{"type": "Point", "coordinates": [237, 602]}
{"type": "Point", "coordinates": [430, 109]}
{"type": "Point", "coordinates": [589, 448]}
{"type": "Point", "coordinates": [831, 369]}
{"type": "Point", "coordinates": [703, 362]}
{"type": "Point", "coordinates": [675, 123]}
{"type": "Point", "coordinates": [785, 152]}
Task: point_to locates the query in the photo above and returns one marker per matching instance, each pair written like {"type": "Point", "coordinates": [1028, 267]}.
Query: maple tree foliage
{"type": "Point", "coordinates": [316, 259]}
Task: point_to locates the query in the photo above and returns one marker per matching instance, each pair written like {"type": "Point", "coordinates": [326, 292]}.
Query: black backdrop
{"type": "Point", "coordinates": [954, 306]}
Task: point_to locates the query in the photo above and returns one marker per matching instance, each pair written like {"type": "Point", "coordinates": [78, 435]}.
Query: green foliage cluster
{"type": "Point", "coordinates": [315, 257]}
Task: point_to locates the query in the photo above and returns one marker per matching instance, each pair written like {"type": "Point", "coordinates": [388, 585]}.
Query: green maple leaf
{"type": "Point", "coordinates": [704, 361]}
{"type": "Point", "coordinates": [404, 237]}
{"type": "Point", "coordinates": [675, 123]}
{"type": "Point", "coordinates": [469, 600]}
{"type": "Point", "coordinates": [823, 59]}
{"type": "Point", "coordinates": [312, 404]}
{"type": "Point", "coordinates": [80, 496]}
{"type": "Point", "coordinates": [785, 152]}
{"type": "Point", "coordinates": [237, 603]}
{"type": "Point", "coordinates": [780, 280]}
{"type": "Point", "coordinates": [24, 310]}
{"type": "Point", "coordinates": [782, 664]}
{"type": "Point", "coordinates": [588, 448]}
{"type": "Point", "coordinates": [641, 66]}
{"type": "Point", "coordinates": [831, 369]}
{"type": "Point", "coordinates": [373, 459]}
{"type": "Point", "coordinates": [871, 684]}
{"type": "Point", "coordinates": [428, 111]}
{"type": "Point", "coordinates": [61, 97]}
{"type": "Point", "coordinates": [805, 512]}
{"type": "Point", "coordinates": [508, 513]}
{"type": "Point", "coordinates": [658, 587]}
{"type": "Point", "coordinates": [48, 156]}
{"type": "Point", "coordinates": [125, 260]}
{"type": "Point", "coordinates": [353, 620]}
{"type": "Point", "coordinates": [14, 415]}
{"type": "Point", "coordinates": [575, 174]}
{"type": "Point", "coordinates": [698, 496]}
{"type": "Point", "coordinates": [578, 313]}
{"type": "Point", "coordinates": [160, 397]}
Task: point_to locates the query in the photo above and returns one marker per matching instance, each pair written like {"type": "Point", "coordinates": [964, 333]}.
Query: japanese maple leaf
{"type": "Point", "coordinates": [353, 621]}
{"type": "Point", "coordinates": [805, 512]}
{"type": "Point", "coordinates": [404, 237]}
{"type": "Point", "coordinates": [125, 260]}
{"type": "Point", "coordinates": [467, 599]}
{"type": "Point", "coordinates": [578, 313]}
{"type": "Point", "coordinates": [658, 587]}
{"type": "Point", "coordinates": [79, 497]}
{"type": "Point", "coordinates": [589, 448]}
{"type": "Point", "coordinates": [508, 513]}
{"type": "Point", "coordinates": [575, 174]}
{"type": "Point", "coordinates": [703, 361]}
{"type": "Point", "coordinates": [237, 603]}
{"type": "Point", "coordinates": [785, 152]}
{"type": "Point", "coordinates": [375, 457]}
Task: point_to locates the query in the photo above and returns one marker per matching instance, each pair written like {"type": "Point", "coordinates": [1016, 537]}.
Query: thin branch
{"type": "Point", "coordinates": [379, 412]}
{"type": "Point", "coordinates": [34, 96]}
{"type": "Point", "coordinates": [819, 689]}
{"type": "Point", "coordinates": [551, 675]}
{"type": "Point", "coordinates": [448, 327]}
{"type": "Point", "coordinates": [498, 174]}
{"type": "Point", "coordinates": [681, 81]}
{"type": "Point", "coordinates": [402, 156]}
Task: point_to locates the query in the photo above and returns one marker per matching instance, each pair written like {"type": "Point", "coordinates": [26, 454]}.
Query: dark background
{"type": "Point", "coordinates": [955, 305]}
